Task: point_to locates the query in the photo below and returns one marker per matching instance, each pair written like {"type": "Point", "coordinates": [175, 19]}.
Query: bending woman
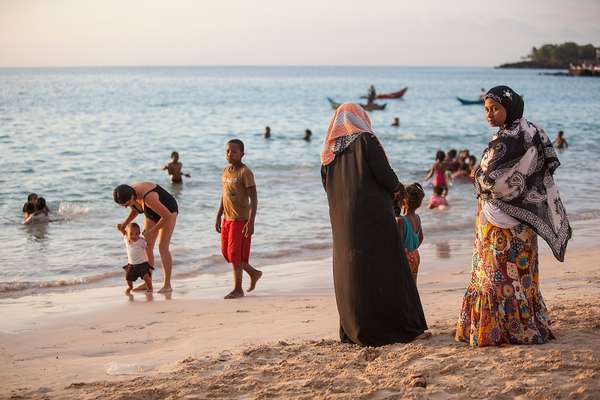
{"type": "Point", "coordinates": [516, 201]}
{"type": "Point", "coordinates": [160, 210]}
{"type": "Point", "coordinates": [376, 296]}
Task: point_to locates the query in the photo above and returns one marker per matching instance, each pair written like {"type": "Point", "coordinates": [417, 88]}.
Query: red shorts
{"type": "Point", "coordinates": [234, 246]}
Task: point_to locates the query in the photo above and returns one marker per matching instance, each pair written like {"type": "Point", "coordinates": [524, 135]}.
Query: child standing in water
{"type": "Point", "coordinates": [438, 172]}
{"type": "Point", "coordinates": [235, 218]}
{"type": "Point", "coordinates": [174, 169]}
{"type": "Point", "coordinates": [410, 226]}
{"type": "Point", "coordinates": [137, 259]}
{"type": "Point", "coordinates": [560, 142]}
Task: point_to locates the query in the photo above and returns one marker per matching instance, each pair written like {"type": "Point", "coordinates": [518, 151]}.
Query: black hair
{"type": "Point", "coordinates": [415, 195]}
{"type": "Point", "coordinates": [440, 156]}
{"type": "Point", "coordinates": [174, 153]}
{"type": "Point", "coordinates": [134, 225]}
{"type": "Point", "coordinates": [238, 142]}
{"type": "Point", "coordinates": [473, 159]}
{"type": "Point", "coordinates": [452, 153]}
{"type": "Point", "coordinates": [40, 204]}
{"type": "Point", "coordinates": [438, 190]}
{"type": "Point", "coordinates": [29, 208]}
{"type": "Point", "coordinates": [308, 131]}
{"type": "Point", "coordinates": [560, 133]}
{"type": "Point", "coordinates": [122, 194]}
{"type": "Point", "coordinates": [30, 197]}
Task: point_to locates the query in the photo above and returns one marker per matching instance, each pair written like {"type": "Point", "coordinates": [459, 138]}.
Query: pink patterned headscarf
{"type": "Point", "coordinates": [348, 119]}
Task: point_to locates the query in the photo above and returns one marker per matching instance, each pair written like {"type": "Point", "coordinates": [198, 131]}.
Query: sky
{"type": "Point", "coordinates": [36, 33]}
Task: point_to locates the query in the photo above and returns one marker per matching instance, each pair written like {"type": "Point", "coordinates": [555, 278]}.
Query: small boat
{"type": "Point", "coordinates": [393, 95]}
{"type": "Point", "coordinates": [368, 107]}
{"type": "Point", "coordinates": [465, 102]}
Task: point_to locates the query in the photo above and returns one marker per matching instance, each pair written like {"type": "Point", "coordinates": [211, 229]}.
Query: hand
{"type": "Point", "coordinates": [248, 229]}
{"type": "Point", "coordinates": [121, 228]}
{"type": "Point", "coordinates": [399, 194]}
{"type": "Point", "coordinates": [218, 224]}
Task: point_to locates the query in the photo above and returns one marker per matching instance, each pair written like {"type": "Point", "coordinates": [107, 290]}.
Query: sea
{"type": "Point", "coordinates": [72, 134]}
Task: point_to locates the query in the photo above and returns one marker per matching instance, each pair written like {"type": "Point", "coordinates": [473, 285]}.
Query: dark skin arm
{"type": "Point", "coordinates": [132, 215]}
{"type": "Point", "coordinates": [248, 229]}
{"type": "Point", "coordinates": [219, 216]}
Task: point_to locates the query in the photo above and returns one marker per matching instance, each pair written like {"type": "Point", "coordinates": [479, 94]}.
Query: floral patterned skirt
{"type": "Point", "coordinates": [503, 302]}
{"type": "Point", "coordinates": [414, 259]}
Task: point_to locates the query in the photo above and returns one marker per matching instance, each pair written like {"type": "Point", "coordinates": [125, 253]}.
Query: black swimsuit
{"type": "Point", "coordinates": [164, 197]}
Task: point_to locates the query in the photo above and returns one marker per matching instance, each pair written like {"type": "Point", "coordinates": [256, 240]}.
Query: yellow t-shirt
{"type": "Point", "coordinates": [236, 198]}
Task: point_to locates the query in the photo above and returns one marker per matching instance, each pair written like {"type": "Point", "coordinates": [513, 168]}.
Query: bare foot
{"type": "Point", "coordinates": [165, 289]}
{"type": "Point", "coordinates": [140, 288]}
{"type": "Point", "coordinates": [254, 279]}
{"type": "Point", "coordinates": [423, 336]}
{"type": "Point", "coordinates": [128, 291]}
{"type": "Point", "coordinates": [235, 294]}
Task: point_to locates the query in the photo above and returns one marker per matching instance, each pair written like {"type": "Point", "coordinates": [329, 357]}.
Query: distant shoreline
{"type": "Point", "coordinates": [532, 65]}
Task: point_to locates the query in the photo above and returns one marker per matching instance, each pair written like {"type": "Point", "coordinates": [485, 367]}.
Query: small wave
{"type": "Point", "coordinates": [68, 211]}
{"type": "Point", "coordinates": [11, 287]}
{"type": "Point", "coordinates": [585, 215]}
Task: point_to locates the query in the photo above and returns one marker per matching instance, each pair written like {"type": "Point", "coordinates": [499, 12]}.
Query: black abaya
{"type": "Point", "coordinates": [376, 296]}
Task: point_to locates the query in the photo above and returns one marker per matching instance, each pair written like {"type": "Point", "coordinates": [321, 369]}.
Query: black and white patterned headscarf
{"type": "Point", "coordinates": [509, 99]}
{"type": "Point", "coordinates": [516, 175]}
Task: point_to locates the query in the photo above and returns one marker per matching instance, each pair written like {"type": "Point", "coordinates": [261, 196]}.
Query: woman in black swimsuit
{"type": "Point", "coordinates": [160, 210]}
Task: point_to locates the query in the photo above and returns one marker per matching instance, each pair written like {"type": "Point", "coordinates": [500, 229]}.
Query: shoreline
{"type": "Point", "coordinates": [292, 314]}
{"type": "Point", "coordinates": [439, 249]}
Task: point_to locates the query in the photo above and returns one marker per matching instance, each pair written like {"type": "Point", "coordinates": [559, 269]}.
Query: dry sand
{"type": "Point", "coordinates": [274, 345]}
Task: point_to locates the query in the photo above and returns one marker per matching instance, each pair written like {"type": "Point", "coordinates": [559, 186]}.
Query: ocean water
{"type": "Point", "coordinates": [73, 134]}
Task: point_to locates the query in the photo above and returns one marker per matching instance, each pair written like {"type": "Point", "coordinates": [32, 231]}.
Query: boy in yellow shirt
{"type": "Point", "coordinates": [235, 218]}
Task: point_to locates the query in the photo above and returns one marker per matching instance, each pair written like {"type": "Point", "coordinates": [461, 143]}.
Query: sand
{"type": "Point", "coordinates": [281, 343]}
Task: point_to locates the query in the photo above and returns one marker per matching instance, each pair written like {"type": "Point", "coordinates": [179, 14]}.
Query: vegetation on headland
{"type": "Point", "coordinates": [555, 56]}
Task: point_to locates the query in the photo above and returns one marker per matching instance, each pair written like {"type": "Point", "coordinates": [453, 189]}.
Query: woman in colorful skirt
{"type": "Point", "coordinates": [517, 200]}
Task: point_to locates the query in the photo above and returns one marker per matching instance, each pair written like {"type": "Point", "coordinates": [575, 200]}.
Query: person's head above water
{"type": "Point", "coordinates": [440, 156]}
{"type": "Point", "coordinates": [32, 197]}
{"type": "Point", "coordinates": [40, 204]}
{"type": "Point", "coordinates": [560, 134]}
{"type": "Point", "coordinates": [502, 106]}
{"type": "Point", "coordinates": [234, 151]}
{"type": "Point", "coordinates": [29, 208]}
{"type": "Point", "coordinates": [175, 156]}
{"type": "Point", "coordinates": [452, 154]}
{"type": "Point", "coordinates": [123, 194]}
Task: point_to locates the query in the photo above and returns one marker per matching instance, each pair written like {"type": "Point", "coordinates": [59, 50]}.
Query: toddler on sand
{"type": "Point", "coordinates": [137, 259]}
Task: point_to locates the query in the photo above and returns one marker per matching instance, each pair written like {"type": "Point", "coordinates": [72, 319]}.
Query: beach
{"type": "Point", "coordinates": [69, 331]}
{"type": "Point", "coordinates": [281, 342]}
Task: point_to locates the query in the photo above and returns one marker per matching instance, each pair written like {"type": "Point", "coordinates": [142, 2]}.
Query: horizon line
{"type": "Point", "coordinates": [242, 65]}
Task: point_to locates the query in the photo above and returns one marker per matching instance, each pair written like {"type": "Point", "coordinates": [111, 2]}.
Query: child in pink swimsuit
{"type": "Point", "coordinates": [437, 199]}
{"type": "Point", "coordinates": [438, 172]}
